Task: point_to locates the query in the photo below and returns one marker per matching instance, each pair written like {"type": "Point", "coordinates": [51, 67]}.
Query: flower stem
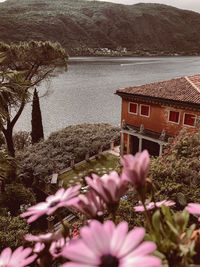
{"type": "Point", "coordinates": [146, 213]}
{"type": "Point", "coordinates": [66, 230]}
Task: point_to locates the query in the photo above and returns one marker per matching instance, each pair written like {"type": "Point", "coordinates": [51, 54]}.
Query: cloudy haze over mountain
{"type": "Point", "coordinates": [184, 4]}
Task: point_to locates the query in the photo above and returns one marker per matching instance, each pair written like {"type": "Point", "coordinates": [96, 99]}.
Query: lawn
{"type": "Point", "coordinates": [103, 165]}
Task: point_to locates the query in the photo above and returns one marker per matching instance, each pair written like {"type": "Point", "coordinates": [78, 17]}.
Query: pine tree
{"type": "Point", "coordinates": [36, 61]}
{"type": "Point", "coordinates": [37, 128]}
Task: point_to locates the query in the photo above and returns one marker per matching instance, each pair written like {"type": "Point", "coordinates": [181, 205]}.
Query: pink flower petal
{"type": "Point", "coordinates": [193, 208]}
{"type": "Point", "coordinates": [18, 258]}
{"type": "Point", "coordinates": [78, 252]}
{"type": "Point", "coordinates": [144, 261]}
{"type": "Point", "coordinates": [118, 238]}
{"type": "Point", "coordinates": [96, 241]}
{"type": "Point", "coordinates": [132, 240]}
{"type": "Point", "coordinates": [72, 264]}
{"type": "Point", "coordinates": [143, 249]}
{"type": "Point", "coordinates": [5, 256]}
{"type": "Point", "coordinates": [135, 168]}
{"type": "Point", "coordinates": [109, 228]}
{"type": "Point", "coordinates": [95, 237]}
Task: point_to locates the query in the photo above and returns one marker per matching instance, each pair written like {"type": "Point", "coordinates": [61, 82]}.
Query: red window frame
{"type": "Point", "coordinates": [144, 110]}
{"type": "Point", "coordinates": [174, 116]}
{"type": "Point", "coordinates": [189, 119]}
{"type": "Point", "coordinates": [133, 107]}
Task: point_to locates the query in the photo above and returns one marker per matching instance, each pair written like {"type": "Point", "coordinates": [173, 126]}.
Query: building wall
{"type": "Point", "coordinates": [158, 119]}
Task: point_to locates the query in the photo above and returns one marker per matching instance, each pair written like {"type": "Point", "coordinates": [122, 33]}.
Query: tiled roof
{"type": "Point", "coordinates": [184, 89]}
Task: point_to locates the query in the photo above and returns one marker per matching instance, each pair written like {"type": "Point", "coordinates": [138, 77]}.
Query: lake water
{"type": "Point", "coordinates": [85, 93]}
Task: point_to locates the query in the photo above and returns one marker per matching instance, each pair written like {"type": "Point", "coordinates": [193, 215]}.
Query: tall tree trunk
{"type": "Point", "coordinates": [11, 173]}
{"type": "Point", "coordinates": [9, 141]}
{"type": "Point", "coordinates": [9, 130]}
{"type": "Point", "coordinates": [37, 128]}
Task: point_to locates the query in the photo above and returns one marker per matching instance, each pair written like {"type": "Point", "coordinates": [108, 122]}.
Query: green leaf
{"type": "Point", "coordinates": [156, 220]}
{"type": "Point", "coordinates": [189, 233]}
{"type": "Point", "coordinates": [186, 217]}
{"type": "Point", "coordinates": [172, 228]}
{"type": "Point", "coordinates": [167, 213]}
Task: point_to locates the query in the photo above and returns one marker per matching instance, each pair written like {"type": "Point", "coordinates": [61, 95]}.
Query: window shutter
{"type": "Point", "coordinates": [189, 119]}
{"type": "Point", "coordinates": [174, 116]}
{"type": "Point", "coordinates": [133, 108]}
{"type": "Point", "coordinates": [145, 110]}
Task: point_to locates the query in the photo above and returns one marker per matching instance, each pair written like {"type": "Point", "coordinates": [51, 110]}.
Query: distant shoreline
{"type": "Point", "coordinates": [125, 56]}
{"type": "Point", "coordinates": [105, 52]}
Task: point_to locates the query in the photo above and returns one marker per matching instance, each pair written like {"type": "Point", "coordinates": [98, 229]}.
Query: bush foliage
{"type": "Point", "coordinates": [61, 146]}
{"type": "Point", "coordinates": [176, 174]}
{"type": "Point", "coordinates": [14, 196]}
{"type": "Point", "coordinates": [11, 229]}
{"type": "Point", "coordinates": [22, 140]}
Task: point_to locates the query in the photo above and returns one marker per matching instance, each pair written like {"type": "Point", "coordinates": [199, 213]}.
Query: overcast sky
{"type": "Point", "coordinates": [184, 4]}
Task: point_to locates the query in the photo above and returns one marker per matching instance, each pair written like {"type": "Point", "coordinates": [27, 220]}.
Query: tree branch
{"type": "Point", "coordinates": [42, 78]}
{"type": "Point", "coordinates": [12, 123]}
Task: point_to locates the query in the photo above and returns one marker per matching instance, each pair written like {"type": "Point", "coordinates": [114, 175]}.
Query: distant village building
{"type": "Point", "coordinates": [153, 112]}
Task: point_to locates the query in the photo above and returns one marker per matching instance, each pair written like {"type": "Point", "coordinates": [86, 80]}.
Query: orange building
{"type": "Point", "coordinates": [153, 112]}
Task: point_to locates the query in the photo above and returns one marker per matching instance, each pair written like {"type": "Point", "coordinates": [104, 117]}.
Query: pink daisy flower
{"type": "Point", "coordinates": [107, 245]}
{"type": "Point", "coordinates": [52, 203]}
{"type": "Point", "coordinates": [109, 187]}
{"type": "Point", "coordinates": [194, 208]}
{"type": "Point", "coordinates": [135, 168]}
{"type": "Point", "coordinates": [19, 258]}
{"type": "Point", "coordinates": [90, 204]}
{"type": "Point", "coordinates": [39, 247]}
{"type": "Point", "coordinates": [152, 205]}
{"type": "Point", "coordinates": [44, 238]}
{"type": "Point", "coordinates": [57, 246]}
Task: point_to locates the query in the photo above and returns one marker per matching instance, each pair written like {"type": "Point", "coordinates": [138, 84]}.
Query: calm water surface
{"type": "Point", "coordinates": [85, 93]}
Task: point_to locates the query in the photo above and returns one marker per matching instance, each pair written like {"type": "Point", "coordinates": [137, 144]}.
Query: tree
{"type": "Point", "coordinates": [12, 95]}
{"type": "Point", "coordinates": [7, 164]}
{"type": "Point", "coordinates": [37, 128]}
{"type": "Point", "coordinates": [35, 62]}
{"type": "Point", "coordinates": [22, 140]}
{"type": "Point", "coordinates": [14, 196]}
{"type": "Point", "coordinates": [11, 229]}
{"type": "Point", "coordinates": [176, 174]}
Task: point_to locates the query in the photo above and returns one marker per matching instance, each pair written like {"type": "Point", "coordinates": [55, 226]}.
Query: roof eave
{"type": "Point", "coordinates": [170, 102]}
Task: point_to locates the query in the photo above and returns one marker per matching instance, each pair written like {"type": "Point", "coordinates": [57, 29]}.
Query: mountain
{"type": "Point", "coordinates": [80, 24]}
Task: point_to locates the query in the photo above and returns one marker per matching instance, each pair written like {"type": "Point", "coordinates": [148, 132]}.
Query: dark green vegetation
{"type": "Point", "coordinates": [176, 175]}
{"type": "Point", "coordinates": [25, 65]}
{"type": "Point", "coordinates": [14, 196]}
{"type": "Point", "coordinates": [81, 24]}
{"type": "Point", "coordinates": [36, 122]}
{"type": "Point", "coordinates": [72, 142]}
{"type": "Point", "coordinates": [107, 161]}
{"type": "Point", "coordinates": [12, 230]}
{"type": "Point", "coordinates": [43, 158]}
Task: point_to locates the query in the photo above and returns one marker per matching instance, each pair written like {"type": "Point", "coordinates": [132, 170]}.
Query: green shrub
{"type": "Point", "coordinates": [178, 170]}
{"type": "Point", "coordinates": [61, 146]}
{"type": "Point", "coordinates": [14, 196]}
{"type": "Point", "coordinates": [11, 231]}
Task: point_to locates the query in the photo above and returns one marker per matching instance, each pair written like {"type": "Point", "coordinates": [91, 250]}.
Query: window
{"type": "Point", "coordinates": [174, 116]}
{"type": "Point", "coordinates": [144, 110]}
{"type": "Point", "coordinates": [189, 119]}
{"type": "Point", "coordinates": [133, 108]}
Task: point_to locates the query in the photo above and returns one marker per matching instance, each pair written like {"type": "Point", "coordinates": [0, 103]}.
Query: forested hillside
{"type": "Point", "coordinates": [83, 24]}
